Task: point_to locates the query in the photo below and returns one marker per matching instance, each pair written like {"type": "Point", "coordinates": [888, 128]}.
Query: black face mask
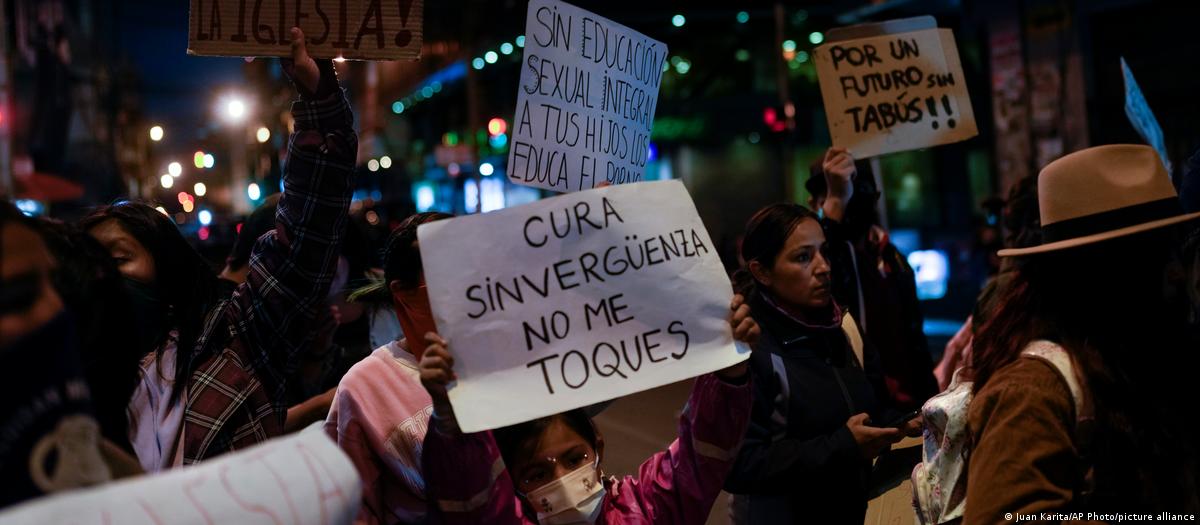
{"type": "Point", "coordinates": [149, 312]}
{"type": "Point", "coordinates": [45, 395]}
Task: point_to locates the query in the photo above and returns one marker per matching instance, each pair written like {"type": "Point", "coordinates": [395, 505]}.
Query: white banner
{"type": "Point", "coordinates": [586, 101]}
{"type": "Point", "coordinates": [576, 299]}
{"type": "Point", "coordinates": [301, 479]}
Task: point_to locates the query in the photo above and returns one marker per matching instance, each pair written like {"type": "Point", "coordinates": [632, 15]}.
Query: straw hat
{"type": "Point", "coordinates": [1102, 193]}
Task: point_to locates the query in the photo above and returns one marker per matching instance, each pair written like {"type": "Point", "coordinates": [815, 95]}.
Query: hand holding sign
{"type": "Point", "coordinates": [746, 330]}
{"type": "Point", "coordinates": [574, 300]}
{"type": "Point", "coordinates": [437, 364]}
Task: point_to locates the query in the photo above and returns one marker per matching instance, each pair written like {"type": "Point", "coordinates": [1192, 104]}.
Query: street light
{"type": "Point", "coordinates": [166, 180]}
{"type": "Point", "coordinates": [156, 133]}
{"type": "Point", "coordinates": [175, 169]}
{"type": "Point", "coordinates": [253, 191]}
{"type": "Point", "coordinates": [235, 109]}
{"type": "Point", "coordinates": [200, 189]}
{"type": "Point", "coordinates": [263, 135]}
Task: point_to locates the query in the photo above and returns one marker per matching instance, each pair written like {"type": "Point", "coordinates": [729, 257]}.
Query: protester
{"type": "Point", "coordinates": [380, 412]}
{"type": "Point", "coordinates": [341, 329]}
{"type": "Point", "coordinates": [49, 439]}
{"type": "Point", "coordinates": [1082, 378]}
{"type": "Point", "coordinates": [1021, 224]}
{"type": "Point", "coordinates": [819, 402]}
{"type": "Point", "coordinates": [236, 358]}
{"type": "Point", "coordinates": [552, 468]}
{"type": "Point", "coordinates": [871, 278]}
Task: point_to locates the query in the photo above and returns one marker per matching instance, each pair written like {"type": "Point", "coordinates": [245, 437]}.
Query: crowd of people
{"type": "Point", "coordinates": [1067, 389]}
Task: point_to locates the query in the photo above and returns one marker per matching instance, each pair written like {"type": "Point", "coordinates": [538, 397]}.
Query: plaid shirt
{"type": "Point", "coordinates": [252, 341]}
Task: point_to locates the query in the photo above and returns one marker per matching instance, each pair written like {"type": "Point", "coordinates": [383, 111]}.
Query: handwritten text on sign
{"type": "Point", "coordinates": [586, 101]}
{"type": "Point", "coordinates": [300, 479]}
{"type": "Point", "coordinates": [577, 299]}
{"type": "Point", "coordinates": [895, 92]}
{"type": "Point", "coordinates": [366, 29]}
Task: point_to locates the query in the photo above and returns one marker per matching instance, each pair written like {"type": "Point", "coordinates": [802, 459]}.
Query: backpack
{"type": "Point", "coordinates": [940, 480]}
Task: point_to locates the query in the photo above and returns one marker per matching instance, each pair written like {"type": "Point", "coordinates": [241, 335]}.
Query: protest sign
{"type": "Point", "coordinates": [894, 91]}
{"type": "Point", "coordinates": [1142, 118]}
{"type": "Point", "coordinates": [301, 479]}
{"type": "Point", "coordinates": [586, 100]}
{"type": "Point", "coordinates": [353, 29]}
{"type": "Point", "coordinates": [578, 299]}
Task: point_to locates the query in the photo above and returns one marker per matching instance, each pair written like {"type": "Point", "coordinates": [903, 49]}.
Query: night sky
{"type": "Point", "coordinates": [179, 90]}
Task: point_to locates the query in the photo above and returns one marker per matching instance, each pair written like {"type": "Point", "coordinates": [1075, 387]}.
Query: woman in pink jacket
{"type": "Point", "coordinates": [553, 473]}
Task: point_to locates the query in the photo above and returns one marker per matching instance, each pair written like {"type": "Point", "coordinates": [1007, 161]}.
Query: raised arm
{"type": "Point", "coordinates": [292, 266]}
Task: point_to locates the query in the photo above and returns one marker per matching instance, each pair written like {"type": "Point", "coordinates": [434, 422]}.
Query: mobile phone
{"type": "Point", "coordinates": [899, 421]}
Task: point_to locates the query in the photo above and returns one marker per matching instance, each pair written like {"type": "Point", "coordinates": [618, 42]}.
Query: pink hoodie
{"type": "Point", "coordinates": [468, 480]}
{"type": "Point", "coordinates": [379, 417]}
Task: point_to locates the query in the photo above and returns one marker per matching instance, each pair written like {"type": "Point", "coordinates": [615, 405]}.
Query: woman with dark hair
{"type": "Point", "coordinates": [1082, 396]}
{"type": "Point", "coordinates": [551, 466]}
{"type": "Point", "coordinates": [820, 404]}
{"type": "Point", "coordinates": [93, 290]}
{"type": "Point", "coordinates": [49, 441]}
{"type": "Point", "coordinates": [214, 376]}
{"type": "Point", "coordinates": [380, 410]}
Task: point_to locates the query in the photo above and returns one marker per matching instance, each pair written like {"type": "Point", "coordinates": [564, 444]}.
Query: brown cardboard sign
{"type": "Point", "coordinates": [351, 29]}
{"type": "Point", "coordinates": [895, 91]}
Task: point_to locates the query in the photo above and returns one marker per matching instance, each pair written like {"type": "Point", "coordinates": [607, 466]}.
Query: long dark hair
{"type": "Point", "coordinates": [90, 285]}
{"type": "Point", "coordinates": [766, 233]}
{"type": "Point", "coordinates": [1109, 305]}
{"type": "Point", "coordinates": [186, 281]}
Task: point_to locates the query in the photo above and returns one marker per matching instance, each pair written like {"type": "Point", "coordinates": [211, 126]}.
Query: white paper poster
{"type": "Point", "coordinates": [895, 92]}
{"type": "Point", "coordinates": [586, 100]}
{"type": "Point", "coordinates": [300, 479]}
{"type": "Point", "coordinates": [576, 299]}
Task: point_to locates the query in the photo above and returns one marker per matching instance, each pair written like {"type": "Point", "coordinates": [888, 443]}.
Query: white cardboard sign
{"type": "Point", "coordinates": [577, 299]}
{"type": "Point", "coordinates": [585, 105]}
{"type": "Point", "coordinates": [895, 92]}
{"type": "Point", "coordinates": [300, 479]}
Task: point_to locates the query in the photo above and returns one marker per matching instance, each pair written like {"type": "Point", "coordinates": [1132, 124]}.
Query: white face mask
{"type": "Point", "coordinates": [573, 498]}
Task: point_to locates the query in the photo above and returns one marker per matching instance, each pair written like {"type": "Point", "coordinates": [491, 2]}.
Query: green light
{"type": "Point", "coordinates": [793, 65]}
{"type": "Point", "coordinates": [450, 138]}
{"type": "Point", "coordinates": [743, 17]}
{"type": "Point", "coordinates": [789, 45]}
{"type": "Point", "coordinates": [742, 55]}
{"type": "Point", "coordinates": [678, 20]}
{"type": "Point", "coordinates": [666, 66]}
{"type": "Point", "coordinates": [506, 48]}
{"type": "Point", "coordinates": [521, 41]}
{"type": "Point", "coordinates": [491, 57]}
{"type": "Point", "coordinates": [816, 37]}
{"type": "Point", "coordinates": [478, 63]}
{"type": "Point", "coordinates": [802, 57]}
{"type": "Point", "coordinates": [427, 91]}
{"type": "Point", "coordinates": [675, 60]}
{"type": "Point", "coordinates": [683, 67]}
{"type": "Point", "coordinates": [397, 107]}
{"type": "Point", "coordinates": [437, 87]}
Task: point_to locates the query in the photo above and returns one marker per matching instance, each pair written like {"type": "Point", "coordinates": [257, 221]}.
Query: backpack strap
{"type": "Point", "coordinates": [854, 337]}
{"type": "Point", "coordinates": [1057, 357]}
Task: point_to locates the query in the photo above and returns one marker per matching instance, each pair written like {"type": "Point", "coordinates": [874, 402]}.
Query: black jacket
{"type": "Point", "coordinates": [799, 462]}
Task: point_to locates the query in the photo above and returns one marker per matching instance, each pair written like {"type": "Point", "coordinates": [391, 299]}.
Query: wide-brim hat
{"type": "Point", "coordinates": [1102, 193]}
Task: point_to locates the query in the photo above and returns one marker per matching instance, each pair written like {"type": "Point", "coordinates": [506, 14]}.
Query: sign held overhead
{"type": "Point", "coordinates": [351, 29]}
{"type": "Point", "coordinates": [891, 87]}
{"type": "Point", "coordinates": [586, 101]}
